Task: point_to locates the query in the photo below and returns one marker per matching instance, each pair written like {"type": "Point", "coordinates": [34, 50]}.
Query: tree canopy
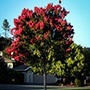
{"type": "Point", "coordinates": [75, 61]}
{"type": "Point", "coordinates": [4, 42]}
{"type": "Point", "coordinates": [6, 27]}
{"type": "Point", "coordinates": [40, 34]}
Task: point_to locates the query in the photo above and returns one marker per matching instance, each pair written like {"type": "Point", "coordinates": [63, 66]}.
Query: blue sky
{"type": "Point", "coordinates": [79, 15]}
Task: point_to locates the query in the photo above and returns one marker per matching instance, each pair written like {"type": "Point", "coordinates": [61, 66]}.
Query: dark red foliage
{"type": "Point", "coordinates": [37, 25]}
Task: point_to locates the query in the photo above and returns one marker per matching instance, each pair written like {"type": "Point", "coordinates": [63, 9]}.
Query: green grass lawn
{"type": "Point", "coordinates": [73, 89]}
{"type": "Point", "coordinates": [65, 89]}
{"type": "Point", "coordinates": [68, 88]}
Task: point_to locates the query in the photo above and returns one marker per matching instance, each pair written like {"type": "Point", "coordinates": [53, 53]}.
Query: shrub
{"type": "Point", "coordinates": [77, 82]}
{"type": "Point", "coordinates": [15, 77]}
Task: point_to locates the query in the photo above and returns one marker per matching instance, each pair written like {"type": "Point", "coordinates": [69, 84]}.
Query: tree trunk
{"type": "Point", "coordinates": [5, 34]}
{"type": "Point", "coordinates": [44, 76]}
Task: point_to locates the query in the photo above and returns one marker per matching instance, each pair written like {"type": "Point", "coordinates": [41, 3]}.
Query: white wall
{"type": "Point", "coordinates": [10, 65]}
{"type": "Point", "coordinates": [31, 78]}
{"type": "Point", "coordinates": [38, 79]}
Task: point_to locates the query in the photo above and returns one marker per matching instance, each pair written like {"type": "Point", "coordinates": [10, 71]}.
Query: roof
{"type": "Point", "coordinates": [88, 48]}
{"type": "Point", "coordinates": [22, 68]}
{"type": "Point", "coordinates": [7, 60]}
{"type": "Point", "coordinates": [1, 53]}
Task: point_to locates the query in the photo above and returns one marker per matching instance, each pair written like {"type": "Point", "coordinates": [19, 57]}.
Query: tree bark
{"type": "Point", "coordinates": [44, 76]}
{"type": "Point", "coordinates": [5, 34]}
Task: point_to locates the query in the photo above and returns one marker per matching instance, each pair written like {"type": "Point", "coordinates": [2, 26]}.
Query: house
{"type": "Point", "coordinates": [31, 78]}
{"type": "Point", "coordinates": [1, 53]}
{"type": "Point", "coordinates": [26, 71]}
{"type": "Point", "coordinates": [8, 61]}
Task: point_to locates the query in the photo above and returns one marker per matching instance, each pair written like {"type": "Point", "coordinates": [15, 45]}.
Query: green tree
{"type": "Point", "coordinates": [86, 52]}
{"type": "Point", "coordinates": [75, 64]}
{"type": "Point", "coordinates": [41, 36]}
{"type": "Point", "coordinates": [4, 42]}
{"type": "Point", "coordinates": [3, 65]}
{"type": "Point", "coordinates": [6, 26]}
{"type": "Point", "coordinates": [75, 61]}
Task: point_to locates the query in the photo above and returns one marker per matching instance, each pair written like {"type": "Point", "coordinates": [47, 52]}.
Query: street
{"type": "Point", "coordinates": [23, 87]}
{"type": "Point", "coordinates": [39, 87]}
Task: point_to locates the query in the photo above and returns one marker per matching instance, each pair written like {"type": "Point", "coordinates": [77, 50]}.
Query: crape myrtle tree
{"type": "Point", "coordinates": [41, 36]}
